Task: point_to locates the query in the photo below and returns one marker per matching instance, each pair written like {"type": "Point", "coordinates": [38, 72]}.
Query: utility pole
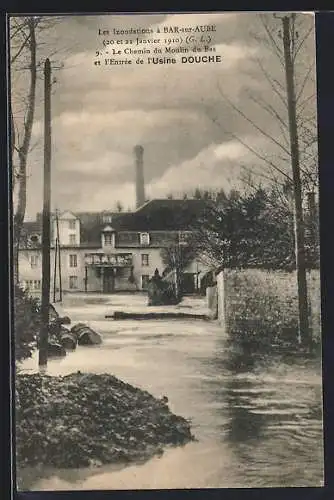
{"type": "Point", "coordinates": [45, 307]}
{"type": "Point", "coordinates": [305, 335]}
{"type": "Point", "coordinates": [59, 258]}
{"type": "Point", "coordinates": [55, 271]}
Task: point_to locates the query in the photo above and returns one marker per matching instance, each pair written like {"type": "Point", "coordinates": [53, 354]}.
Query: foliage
{"type": "Point", "coordinates": [82, 419]}
{"type": "Point", "coordinates": [254, 228]}
{"type": "Point", "coordinates": [178, 256]}
{"type": "Point", "coordinates": [26, 323]}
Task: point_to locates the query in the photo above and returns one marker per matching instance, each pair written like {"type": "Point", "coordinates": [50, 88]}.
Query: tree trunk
{"type": "Point", "coordinates": [304, 330]}
{"type": "Point", "coordinates": [23, 150]}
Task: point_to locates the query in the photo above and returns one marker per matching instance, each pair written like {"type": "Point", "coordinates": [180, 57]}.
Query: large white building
{"type": "Point", "coordinates": [109, 252]}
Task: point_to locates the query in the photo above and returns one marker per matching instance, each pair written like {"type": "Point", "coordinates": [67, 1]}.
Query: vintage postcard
{"type": "Point", "coordinates": [166, 251]}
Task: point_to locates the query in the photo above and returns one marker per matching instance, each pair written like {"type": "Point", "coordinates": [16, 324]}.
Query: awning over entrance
{"type": "Point", "coordinates": [108, 260]}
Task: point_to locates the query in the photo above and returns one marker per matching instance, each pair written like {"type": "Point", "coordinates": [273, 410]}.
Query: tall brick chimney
{"type": "Point", "coordinates": [140, 187]}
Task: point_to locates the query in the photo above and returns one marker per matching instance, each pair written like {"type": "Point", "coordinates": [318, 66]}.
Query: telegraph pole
{"type": "Point", "coordinates": [45, 307]}
{"type": "Point", "coordinates": [304, 331]}
{"type": "Point", "coordinates": [55, 271]}
{"type": "Point", "coordinates": [59, 258]}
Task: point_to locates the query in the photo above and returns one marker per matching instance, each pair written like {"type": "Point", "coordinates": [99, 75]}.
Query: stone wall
{"type": "Point", "coordinates": [265, 302]}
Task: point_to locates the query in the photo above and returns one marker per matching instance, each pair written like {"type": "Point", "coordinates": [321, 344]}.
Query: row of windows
{"type": "Point", "coordinates": [128, 237]}
{"type": "Point", "coordinates": [157, 237]}
{"type": "Point", "coordinates": [32, 284]}
{"type": "Point", "coordinates": [124, 237]}
{"type": "Point", "coordinates": [35, 260]}
{"type": "Point", "coordinates": [73, 283]}
{"type": "Point", "coordinates": [73, 260]}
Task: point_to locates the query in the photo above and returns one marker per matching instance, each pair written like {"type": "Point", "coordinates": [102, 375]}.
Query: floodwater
{"type": "Point", "coordinates": [257, 419]}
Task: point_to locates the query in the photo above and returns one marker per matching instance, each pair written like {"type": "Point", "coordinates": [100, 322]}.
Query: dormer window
{"type": "Point", "coordinates": [144, 239]}
{"type": "Point", "coordinates": [108, 237]}
{"type": "Point", "coordinates": [107, 219]}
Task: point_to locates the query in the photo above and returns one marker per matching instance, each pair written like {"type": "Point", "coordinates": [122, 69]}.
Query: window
{"type": "Point", "coordinates": [73, 261]}
{"type": "Point", "coordinates": [37, 284]}
{"type": "Point", "coordinates": [106, 219]}
{"type": "Point", "coordinates": [183, 237]}
{"type": "Point", "coordinates": [72, 224]}
{"type": "Point", "coordinates": [144, 238]}
{"type": "Point", "coordinates": [34, 260]}
{"type": "Point", "coordinates": [73, 282]}
{"type": "Point", "coordinates": [33, 285]}
{"type": "Point", "coordinates": [144, 281]}
{"type": "Point", "coordinates": [108, 237]}
{"type": "Point", "coordinates": [72, 239]}
{"type": "Point", "coordinates": [144, 259]}
{"type": "Point", "coordinates": [127, 238]}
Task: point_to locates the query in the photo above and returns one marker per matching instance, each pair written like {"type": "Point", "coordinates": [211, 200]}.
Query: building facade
{"type": "Point", "coordinates": [109, 252]}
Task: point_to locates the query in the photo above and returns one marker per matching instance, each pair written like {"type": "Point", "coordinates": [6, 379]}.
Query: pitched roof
{"type": "Point", "coordinates": [32, 227]}
{"type": "Point", "coordinates": [169, 215]}
{"type": "Point", "coordinates": [155, 215]}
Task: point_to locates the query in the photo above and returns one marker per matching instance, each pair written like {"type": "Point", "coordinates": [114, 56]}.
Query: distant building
{"type": "Point", "coordinates": [109, 252]}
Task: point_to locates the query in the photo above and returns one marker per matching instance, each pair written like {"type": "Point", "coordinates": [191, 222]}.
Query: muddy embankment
{"type": "Point", "coordinates": [84, 419]}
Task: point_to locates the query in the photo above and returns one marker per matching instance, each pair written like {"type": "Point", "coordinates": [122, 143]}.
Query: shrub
{"type": "Point", "coordinates": [26, 323]}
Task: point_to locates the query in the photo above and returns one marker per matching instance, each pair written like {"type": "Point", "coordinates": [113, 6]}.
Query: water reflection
{"type": "Point", "coordinates": [257, 415]}
{"type": "Point", "coordinates": [271, 409]}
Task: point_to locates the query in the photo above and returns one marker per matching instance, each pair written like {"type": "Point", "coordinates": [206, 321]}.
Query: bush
{"type": "Point", "coordinates": [26, 323]}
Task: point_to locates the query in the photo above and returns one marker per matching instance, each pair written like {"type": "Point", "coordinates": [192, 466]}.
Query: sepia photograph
{"type": "Point", "coordinates": [166, 251]}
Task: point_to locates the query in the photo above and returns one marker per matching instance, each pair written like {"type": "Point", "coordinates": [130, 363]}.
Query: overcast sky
{"type": "Point", "coordinates": [189, 133]}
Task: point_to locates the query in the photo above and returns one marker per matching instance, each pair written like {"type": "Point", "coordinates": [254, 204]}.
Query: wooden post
{"type": "Point", "coordinates": [86, 277]}
{"type": "Point", "coordinates": [45, 306]}
{"type": "Point", "coordinates": [59, 257]}
{"type": "Point", "coordinates": [304, 331]}
{"type": "Point", "coordinates": [221, 300]}
{"type": "Point", "coordinates": [102, 279]}
{"type": "Point", "coordinates": [55, 271]}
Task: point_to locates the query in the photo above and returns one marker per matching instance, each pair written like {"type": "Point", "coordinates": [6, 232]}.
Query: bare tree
{"type": "Point", "coordinates": [177, 256]}
{"type": "Point", "coordinates": [291, 108]}
{"type": "Point", "coordinates": [23, 38]}
{"type": "Point", "coordinates": [26, 38]}
{"type": "Point", "coordinates": [274, 103]}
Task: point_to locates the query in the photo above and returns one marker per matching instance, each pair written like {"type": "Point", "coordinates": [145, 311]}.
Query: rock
{"type": "Point", "coordinates": [87, 336]}
{"type": "Point", "coordinates": [64, 320]}
{"type": "Point", "coordinates": [83, 419]}
{"type": "Point", "coordinates": [77, 327]}
{"type": "Point", "coordinates": [68, 341]}
{"type": "Point", "coordinates": [56, 350]}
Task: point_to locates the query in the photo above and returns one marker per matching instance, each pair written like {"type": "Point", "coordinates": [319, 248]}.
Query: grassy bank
{"type": "Point", "coordinates": [84, 419]}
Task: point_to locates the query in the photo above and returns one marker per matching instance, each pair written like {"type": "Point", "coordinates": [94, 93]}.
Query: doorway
{"type": "Point", "coordinates": [188, 283]}
{"type": "Point", "coordinates": [108, 280]}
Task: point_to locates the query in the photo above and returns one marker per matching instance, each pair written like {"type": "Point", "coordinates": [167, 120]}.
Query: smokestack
{"type": "Point", "coordinates": [140, 188]}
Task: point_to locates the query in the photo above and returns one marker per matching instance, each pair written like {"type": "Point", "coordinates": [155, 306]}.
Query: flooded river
{"type": "Point", "coordinates": [257, 420]}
